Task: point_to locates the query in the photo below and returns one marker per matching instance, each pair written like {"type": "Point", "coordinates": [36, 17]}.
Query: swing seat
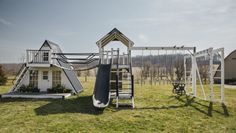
{"type": "Point", "coordinates": [178, 88]}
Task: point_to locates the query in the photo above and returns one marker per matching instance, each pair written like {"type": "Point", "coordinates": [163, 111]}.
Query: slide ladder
{"type": "Point", "coordinates": [123, 91]}
{"type": "Point", "coordinates": [114, 81]}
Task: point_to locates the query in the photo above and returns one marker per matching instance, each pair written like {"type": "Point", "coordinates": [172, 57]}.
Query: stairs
{"type": "Point", "coordinates": [19, 77]}
{"type": "Point", "coordinates": [123, 90]}
{"type": "Point", "coordinates": [121, 79]}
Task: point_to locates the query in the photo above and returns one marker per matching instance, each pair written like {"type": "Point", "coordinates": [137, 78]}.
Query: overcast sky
{"type": "Point", "coordinates": [77, 24]}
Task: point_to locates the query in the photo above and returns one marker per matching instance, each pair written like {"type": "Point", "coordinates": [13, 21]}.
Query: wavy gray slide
{"type": "Point", "coordinates": [101, 96]}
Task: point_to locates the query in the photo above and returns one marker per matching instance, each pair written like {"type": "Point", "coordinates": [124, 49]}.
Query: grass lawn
{"type": "Point", "coordinates": [157, 110]}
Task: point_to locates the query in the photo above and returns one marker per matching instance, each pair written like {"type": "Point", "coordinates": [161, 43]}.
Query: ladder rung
{"type": "Point", "coordinates": [126, 84]}
{"type": "Point", "coordinates": [123, 72]}
{"type": "Point", "coordinates": [217, 77]}
{"type": "Point", "coordinates": [125, 104]}
{"type": "Point", "coordinates": [123, 80]}
{"type": "Point", "coordinates": [125, 96]}
{"type": "Point", "coordinates": [124, 93]}
{"type": "Point", "coordinates": [125, 88]}
{"type": "Point", "coordinates": [114, 81]}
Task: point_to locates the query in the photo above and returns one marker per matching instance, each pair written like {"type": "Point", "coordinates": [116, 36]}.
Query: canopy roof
{"type": "Point", "coordinates": [115, 35]}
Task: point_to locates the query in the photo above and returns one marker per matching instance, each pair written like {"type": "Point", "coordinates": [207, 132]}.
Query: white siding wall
{"type": "Point", "coordinates": [43, 85]}
{"type": "Point", "coordinates": [65, 81]}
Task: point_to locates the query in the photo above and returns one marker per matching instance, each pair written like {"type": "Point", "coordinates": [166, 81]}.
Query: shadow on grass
{"type": "Point", "coordinates": [171, 98]}
{"type": "Point", "coordinates": [203, 108]}
{"type": "Point", "coordinates": [164, 107]}
{"type": "Point", "coordinates": [226, 112]}
{"type": "Point", "coordinates": [81, 104]}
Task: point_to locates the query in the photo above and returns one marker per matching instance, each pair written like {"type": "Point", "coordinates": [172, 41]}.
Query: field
{"type": "Point", "coordinates": [157, 110]}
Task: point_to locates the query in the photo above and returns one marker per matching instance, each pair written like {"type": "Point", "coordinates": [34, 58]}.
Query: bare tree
{"type": "Point", "coordinates": [146, 70]}
{"type": "Point", "coordinates": [78, 73]}
{"type": "Point", "coordinates": [179, 70]}
{"type": "Point", "coordinates": [3, 78]}
{"type": "Point", "coordinates": [86, 75]}
{"type": "Point", "coordinates": [203, 70]}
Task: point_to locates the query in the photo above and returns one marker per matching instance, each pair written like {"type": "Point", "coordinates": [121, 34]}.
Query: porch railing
{"type": "Point", "coordinates": [38, 57]}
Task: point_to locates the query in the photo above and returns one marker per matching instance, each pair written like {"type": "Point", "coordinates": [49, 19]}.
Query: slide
{"type": "Point", "coordinates": [101, 97]}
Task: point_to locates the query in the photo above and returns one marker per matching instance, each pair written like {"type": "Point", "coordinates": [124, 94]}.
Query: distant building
{"type": "Point", "coordinates": [230, 69]}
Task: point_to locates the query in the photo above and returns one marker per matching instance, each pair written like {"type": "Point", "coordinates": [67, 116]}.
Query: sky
{"type": "Point", "coordinates": [76, 25]}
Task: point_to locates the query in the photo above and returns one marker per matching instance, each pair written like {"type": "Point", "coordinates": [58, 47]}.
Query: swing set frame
{"type": "Point", "coordinates": [194, 72]}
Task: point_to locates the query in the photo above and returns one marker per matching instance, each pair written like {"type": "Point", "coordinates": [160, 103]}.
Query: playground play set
{"type": "Point", "coordinates": [49, 67]}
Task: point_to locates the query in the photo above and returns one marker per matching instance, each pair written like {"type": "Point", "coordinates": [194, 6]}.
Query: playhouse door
{"type": "Point", "coordinates": [45, 82]}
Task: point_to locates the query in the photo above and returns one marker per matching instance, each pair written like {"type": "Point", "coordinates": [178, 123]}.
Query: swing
{"type": "Point", "coordinates": [178, 87]}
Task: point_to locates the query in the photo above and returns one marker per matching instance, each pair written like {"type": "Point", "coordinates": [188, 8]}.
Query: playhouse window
{"type": "Point", "coordinates": [33, 78]}
{"type": "Point", "coordinates": [45, 75]}
{"type": "Point", "coordinates": [56, 78]}
{"type": "Point", "coordinates": [45, 56]}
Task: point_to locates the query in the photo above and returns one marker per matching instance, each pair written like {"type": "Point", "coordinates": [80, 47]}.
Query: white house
{"type": "Point", "coordinates": [44, 70]}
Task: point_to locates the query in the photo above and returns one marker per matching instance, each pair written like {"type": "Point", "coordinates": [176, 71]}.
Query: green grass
{"type": "Point", "coordinates": [157, 110]}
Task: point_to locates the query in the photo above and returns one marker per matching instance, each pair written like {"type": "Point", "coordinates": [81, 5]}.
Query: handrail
{"type": "Point", "coordinates": [34, 50]}
{"type": "Point", "coordinates": [36, 56]}
{"type": "Point", "coordinates": [90, 57]}
{"type": "Point", "coordinates": [117, 86]}
{"type": "Point", "coordinates": [87, 68]}
{"type": "Point", "coordinates": [21, 68]}
{"type": "Point", "coordinates": [85, 54]}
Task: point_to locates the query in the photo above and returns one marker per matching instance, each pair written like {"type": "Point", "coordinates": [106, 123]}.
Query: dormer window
{"type": "Point", "coordinates": [45, 56]}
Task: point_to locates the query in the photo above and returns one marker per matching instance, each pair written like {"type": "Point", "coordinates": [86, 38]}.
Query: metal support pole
{"type": "Point", "coordinates": [27, 57]}
{"type": "Point", "coordinates": [103, 61]}
{"type": "Point", "coordinates": [194, 72]}
{"type": "Point", "coordinates": [185, 74]}
{"type": "Point", "coordinates": [107, 60]}
{"type": "Point", "coordinates": [194, 89]}
{"type": "Point", "coordinates": [200, 80]}
{"type": "Point", "coordinates": [222, 75]}
{"type": "Point", "coordinates": [142, 70]}
{"type": "Point", "coordinates": [211, 73]}
{"type": "Point", "coordinates": [111, 56]}
{"type": "Point", "coordinates": [129, 54]}
{"type": "Point", "coordinates": [130, 57]}
{"type": "Point", "coordinates": [123, 59]}
{"type": "Point", "coordinates": [100, 52]}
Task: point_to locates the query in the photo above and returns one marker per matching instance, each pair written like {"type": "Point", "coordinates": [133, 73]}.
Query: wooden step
{"type": "Point", "coordinates": [125, 96]}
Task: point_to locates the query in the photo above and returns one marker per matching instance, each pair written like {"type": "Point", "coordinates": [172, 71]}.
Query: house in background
{"type": "Point", "coordinates": [44, 70]}
{"type": "Point", "coordinates": [230, 69]}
